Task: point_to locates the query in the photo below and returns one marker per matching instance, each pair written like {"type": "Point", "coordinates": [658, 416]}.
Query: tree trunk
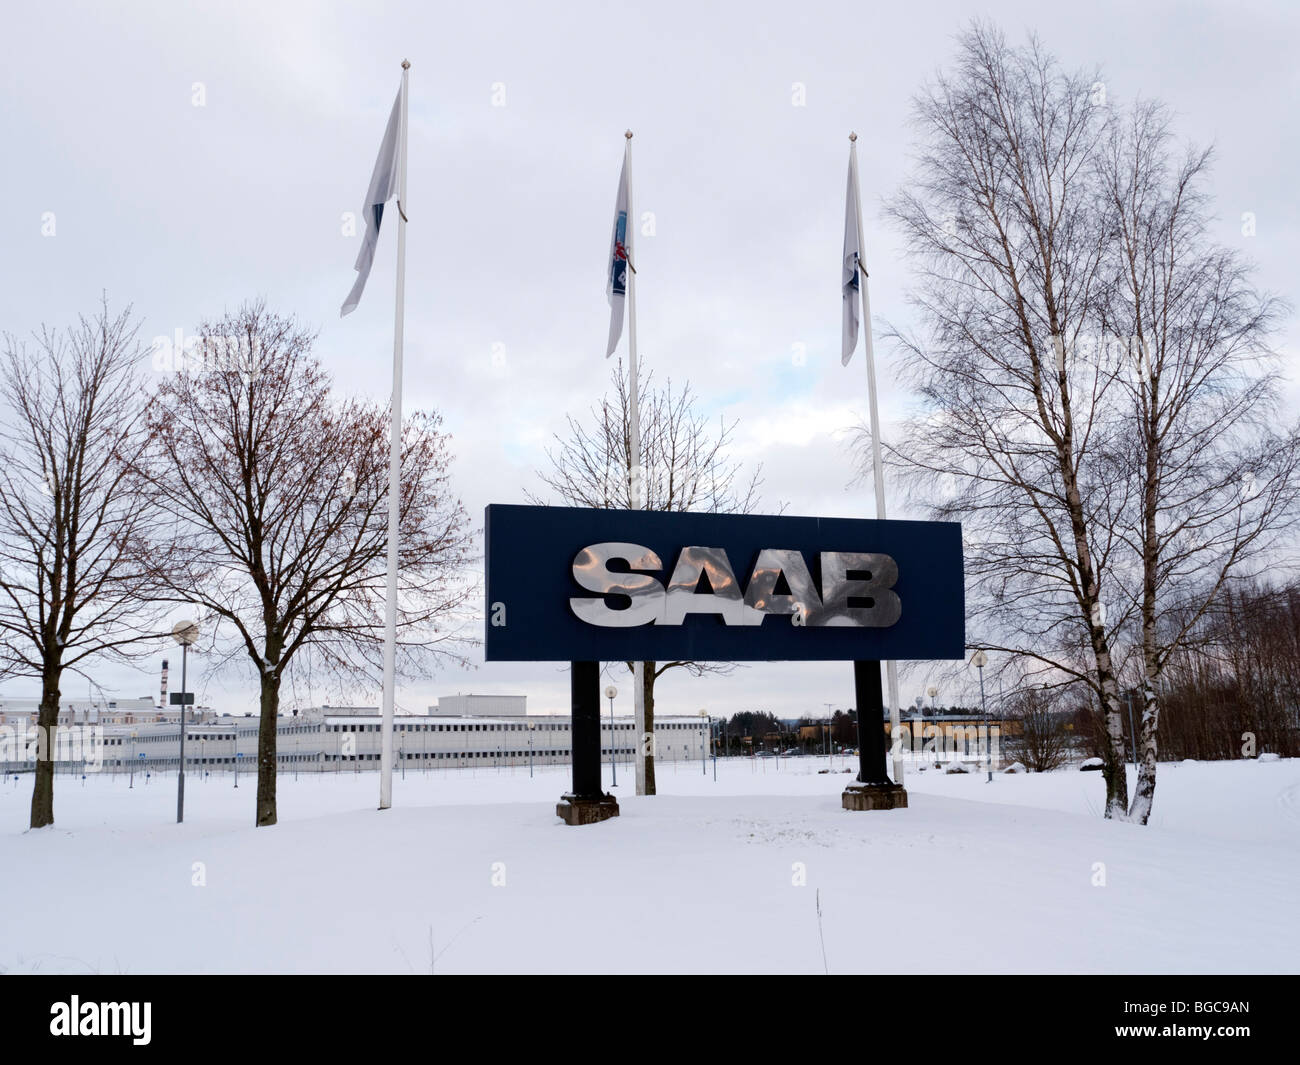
{"type": "Point", "coordinates": [1145, 790]}
{"type": "Point", "coordinates": [266, 736]}
{"type": "Point", "coordinates": [47, 723]}
{"type": "Point", "coordinates": [1115, 771]}
{"type": "Point", "coordinates": [648, 687]}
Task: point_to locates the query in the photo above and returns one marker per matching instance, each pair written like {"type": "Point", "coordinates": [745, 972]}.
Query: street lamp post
{"type": "Point", "coordinates": [918, 720]}
{"type": "Point", "coordinates": [979, 660]}
{"type": "Point", "coordinates": [184, 633]}
{"type": "Point", "coordinates": [131, 781]}
{"type": "Point", "coordinates": [704, 766]}
{"type": "Point", "coordinates": [713, 742]}
{"type": "Point", "coordinates": [611, 693]}
{"type": "Point", "coordinates": [933, 693]}
{"type": "Point", "coordinates": [934, 711]}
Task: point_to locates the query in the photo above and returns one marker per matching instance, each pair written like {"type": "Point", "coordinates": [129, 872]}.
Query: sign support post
{"type": "Point", "coordinates": [585, 804]}
{"type": "Point", "coordinates": [873, 789]}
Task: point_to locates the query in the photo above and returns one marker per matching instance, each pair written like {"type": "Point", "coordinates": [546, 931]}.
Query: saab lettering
{"type": "Point", "coordinates": [858, 588]}
{"type": "Point", "coordinates": [866, 577]}
{"type": "Point", "coordinates": [773, 565]}
{"type": "Point", "coordinates": [591, 570]}
{"type": "Point", "coordinates": [723, 596]}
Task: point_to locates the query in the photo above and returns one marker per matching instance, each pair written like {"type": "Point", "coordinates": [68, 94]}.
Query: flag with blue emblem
{"type": "Point", "coordinates": [383, 187]}
{"type": "Point", "coordinates": [620, 254]}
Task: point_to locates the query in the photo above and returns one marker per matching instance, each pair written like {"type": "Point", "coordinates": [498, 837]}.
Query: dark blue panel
{"type": "Point", "coordinates": [530, 553]}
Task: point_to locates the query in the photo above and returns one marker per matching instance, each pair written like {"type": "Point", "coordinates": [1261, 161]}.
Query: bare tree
{"type": "Point", "coordinates": [1040, 738]}
{"type": "Point", "coordinates": [280, 493]}
{"type": "Point", "coordinates": [73, 573]}
{"type": "Point", "coordinates": [1015, 438]}
{"type": "Point", "coordinates": [684, 465]}
{"type": "Point", "coordinates": [1215, 482]}
{"type": "Point", "coordinates": [1235, 690]}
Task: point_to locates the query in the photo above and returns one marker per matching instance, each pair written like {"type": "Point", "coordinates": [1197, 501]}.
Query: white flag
{"type": "Point", "coordinates": [849, 278]}
{"type": "Point", "coordinates": [383, 187]}
{"type": "Point", "coordinates": [620, 255]}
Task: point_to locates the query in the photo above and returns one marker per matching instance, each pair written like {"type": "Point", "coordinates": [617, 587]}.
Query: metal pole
{"type": "Point", "coordinates": [613, 757]}
{"type": "Point", "coordinates": [394, 483]}
{"type": "Point", "coordinates": [871, 727]}
{"type": "Point", "coordinates": [988, 732]}
{"type": "Point", "coordinates": [877, 466]}
{"type": "Point", "coordinates": [584, 736]}
{"type": "Point", "coordinates": [635, 478]}
{"type": "Point", "coordinates": [180, 779]}
{"type": "Point", "coordinates": [934, 695]}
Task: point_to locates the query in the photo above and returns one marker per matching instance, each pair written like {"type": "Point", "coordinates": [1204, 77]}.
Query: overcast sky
{"type": "Point", "coordinates": [186, 211]}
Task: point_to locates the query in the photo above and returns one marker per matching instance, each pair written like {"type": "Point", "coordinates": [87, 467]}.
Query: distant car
{"type": "Point", "coordinates": [792, 750]}
{"type": "Point", "coordinates": [765, 754]}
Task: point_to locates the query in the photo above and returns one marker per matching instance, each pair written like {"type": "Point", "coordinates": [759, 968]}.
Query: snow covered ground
{"type": "Point", "coordinates": [472, 872]}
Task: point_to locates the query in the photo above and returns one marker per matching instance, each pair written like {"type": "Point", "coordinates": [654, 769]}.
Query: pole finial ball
{"type": "Point", "coordinates": [628, 134]}
{"type": "Point", "coordinates": [853, 136]}
{"type": "Point", "coordinates": [406, 64]}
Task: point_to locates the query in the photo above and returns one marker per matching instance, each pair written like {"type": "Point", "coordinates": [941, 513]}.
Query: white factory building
{"type": "Point", "coordinates": [139, 711]}
{"type": "Point", "coordinates": [460, 731]}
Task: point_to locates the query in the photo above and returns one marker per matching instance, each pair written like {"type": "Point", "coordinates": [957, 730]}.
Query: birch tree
{"type": "Point", "coordinates": [1099, 402]}
{"type": "Point", "coordinates": [1015, 435]}
{"type": "Point", "coordinates": [1214, 469]}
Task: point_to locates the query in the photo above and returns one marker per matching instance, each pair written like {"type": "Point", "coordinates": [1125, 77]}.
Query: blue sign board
{"type": "Point", "coordinates": [572, 584]}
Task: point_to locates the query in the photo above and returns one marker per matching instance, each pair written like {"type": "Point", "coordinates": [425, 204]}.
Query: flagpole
{"type": "Point", "coordinates": [635, 473]}
{"type": "Point", "coordinates": [877, 466]}
{"type": "Point", "coordinates": [394, 479]}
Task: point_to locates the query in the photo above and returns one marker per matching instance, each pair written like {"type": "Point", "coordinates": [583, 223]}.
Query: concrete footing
{"type": "Point", "coordinates": [875, 797]}
{"type": "Point", "coordinates": [573, 811]}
